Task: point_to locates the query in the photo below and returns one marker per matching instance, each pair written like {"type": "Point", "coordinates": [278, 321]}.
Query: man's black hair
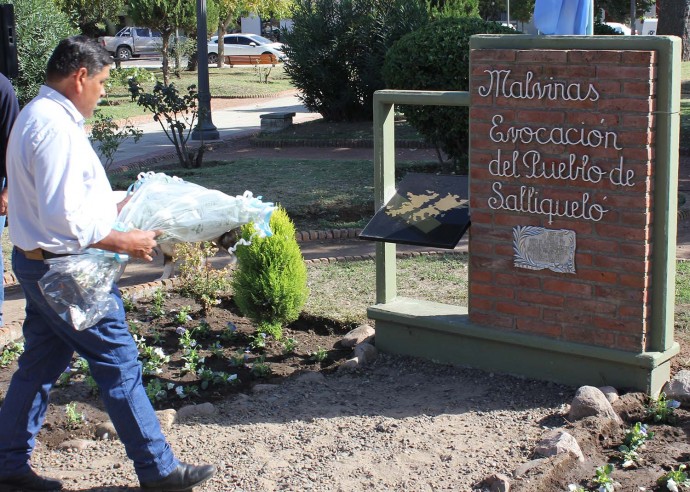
{"type": "Point", "coordinates": [76, 52]}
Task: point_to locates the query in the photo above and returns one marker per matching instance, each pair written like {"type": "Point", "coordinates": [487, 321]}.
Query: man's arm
{"type": "Point", "coordinates": [9, 109]}
{"type": "Point", "coordinates": [136, 243]}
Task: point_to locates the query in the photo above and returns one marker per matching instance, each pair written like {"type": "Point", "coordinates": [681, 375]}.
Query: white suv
{"type": "Point", "coordinates": [244, 44]}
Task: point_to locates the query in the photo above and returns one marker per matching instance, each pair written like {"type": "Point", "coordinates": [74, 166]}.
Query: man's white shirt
{"type": "Point", "coordinates": [60, 198]}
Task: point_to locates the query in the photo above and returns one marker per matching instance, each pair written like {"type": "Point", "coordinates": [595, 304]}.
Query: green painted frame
{"type": "Point", "coordinates": [430, 330]}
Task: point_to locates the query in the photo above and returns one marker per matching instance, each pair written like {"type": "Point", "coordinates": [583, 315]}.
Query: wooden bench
{"type": "Point", "coordinates": [272, 122]}
{"type": "Point", "coordinates": [263, 59]}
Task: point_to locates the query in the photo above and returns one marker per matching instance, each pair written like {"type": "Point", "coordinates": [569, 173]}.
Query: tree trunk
{"type": "Point", "coordinates": [221, 45]}
{"type": "Point", "coordinates": [674, 19]}
{"type": "Point", "coordinates": [166, 61]}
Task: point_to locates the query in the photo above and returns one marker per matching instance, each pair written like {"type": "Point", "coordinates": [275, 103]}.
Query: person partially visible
{"type": "Point", "coordinates": [61, 203]}
{"type": "Point", "coordinates": [9, 109]}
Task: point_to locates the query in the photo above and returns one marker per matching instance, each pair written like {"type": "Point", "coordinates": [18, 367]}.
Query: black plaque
{"type": "Point", "coordinates": [426, 210]}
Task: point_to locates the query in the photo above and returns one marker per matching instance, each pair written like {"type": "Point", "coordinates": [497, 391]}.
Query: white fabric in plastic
{"type": "Point", "coordinates": [187, 212]}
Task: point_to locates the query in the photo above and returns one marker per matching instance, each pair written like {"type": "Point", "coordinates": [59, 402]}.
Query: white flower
{"type": "Point", "coordinates": [180, 391]}
{"type": "Point", "coordinates": [671, 485]}
{"type": "Point", "coordinates": [232, 377]}
{"type": "Point", "coordinates": [159, 352]}
{"type": "Point", "coordinates": [171, 386]}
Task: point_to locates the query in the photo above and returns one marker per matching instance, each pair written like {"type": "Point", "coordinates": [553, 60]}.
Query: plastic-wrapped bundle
{"type": "Point", "coordinates": [187, 212]}
{"type": "Point", "coordinates": [78, 287]}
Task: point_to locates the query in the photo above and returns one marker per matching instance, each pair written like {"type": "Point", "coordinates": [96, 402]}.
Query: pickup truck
{"type": "Point", "coordinates": [132, 42]}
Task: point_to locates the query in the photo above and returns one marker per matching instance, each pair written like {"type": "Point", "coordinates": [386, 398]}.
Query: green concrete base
{"type": "Point", "coordinates": [443, 333]}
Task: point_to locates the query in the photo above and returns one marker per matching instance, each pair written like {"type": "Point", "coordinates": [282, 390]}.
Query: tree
{"type": "Point", "coordinates": [90, 15]}
{"type": "Point", "coordinates": [674, 19]}
{"type": "Point", "coordinates": [189, 47]}
{"type": "Point", "coordinates": [39, 29]}
{"type": "Point", "coordinates": [453, 8]}
{"type": "Point", "coordinates": [521, 10]}
{"type": "Point", "coordinates": [619, 10]}
{"type": "Point", "coordinates": [274, 8]}
{"type": "Point", "coordinates": [229, 12]}
{"type": "Point", "coordinates": [490, 9]}
{"type": "Point", "coordinates": [437, 57]}
{"type": "Point", "coordinates": [163, 16]}
{"type": "Point", "coordinates": [336, 49]}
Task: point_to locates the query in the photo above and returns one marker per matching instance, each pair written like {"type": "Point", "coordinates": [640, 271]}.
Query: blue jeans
{"type": "Point", "coordinates": [49, 344]}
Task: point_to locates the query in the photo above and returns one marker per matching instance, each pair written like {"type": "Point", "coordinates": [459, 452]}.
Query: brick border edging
{"type": "Point", "coordinates": [9, 278]}
{"type": "Point", "coordinates": [12, 331]}
{"type": "Point", "coordinates": [306, 236]}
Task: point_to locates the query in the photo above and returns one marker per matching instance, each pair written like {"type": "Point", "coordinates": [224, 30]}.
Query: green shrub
{"type": "Point", "coordinates": [40, 27]}
{"type": "Point", "coordinates": [121, 76]}
{"type": "Point", "coordinates": [198, 278]}
{"type": "Point", "coordinates": [437, 57]}
{"type": "Point", "coordinates": [270, 284]}
{"type": "Point", "coordinates": [603, 29]}
{"type": "Point", "coordinates": [336, 49]}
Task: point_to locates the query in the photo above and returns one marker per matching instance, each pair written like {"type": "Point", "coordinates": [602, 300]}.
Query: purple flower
{"type": "Point", "coordinates": [231, 327]}
{"type": "Point", "coordinates": [673, 404]}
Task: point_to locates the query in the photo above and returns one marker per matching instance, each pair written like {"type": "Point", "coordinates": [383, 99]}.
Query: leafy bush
{"type": "Point", "coordinates": [106, 135]}
{"type": "Point", "coordinates": [122, 76]}
{"type": "Point", "coordinates": [40, 27]}
{"type": "Point", "coordinates": [270, 284]}
{"type": "Point", "coordinates": [198, 279]}
{"type": "Point", "coordinates": [603, 29]}
{"type": "Point", "coordinates": [437, 57]}
{"type": "Point", "coordinates": [175, 113]}
{"type": "Point", "coordinates": [336, 49]}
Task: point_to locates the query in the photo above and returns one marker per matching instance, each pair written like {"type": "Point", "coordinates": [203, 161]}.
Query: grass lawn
{"type": "Point", "coordinates": [317, 194]}
{"type": "Point", "coordinates": [343, 291]}
{"type": "Point", "coordinates": [237, 82]}
{"type": "Point", "coordinates": [326, 130]}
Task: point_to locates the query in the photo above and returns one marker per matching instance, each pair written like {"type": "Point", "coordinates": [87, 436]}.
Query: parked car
{"type": "Point", "coordinates": [620, 28]}
{"type": "Point", "coordinates": [649, 26]}
{"type": "Point", "coordinates": [132, 42]}
{"type": "Point", "coordinates": [244, 44]}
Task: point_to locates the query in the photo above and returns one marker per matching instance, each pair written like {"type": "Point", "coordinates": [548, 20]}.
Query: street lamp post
{"type": "Point", "coordinates": [205, 129]}
{"type": "Point", "coordinates": [508, 11]}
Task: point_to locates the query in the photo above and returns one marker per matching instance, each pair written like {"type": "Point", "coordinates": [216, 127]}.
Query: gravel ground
{"type": "Point", "coordinates": [401, 424]}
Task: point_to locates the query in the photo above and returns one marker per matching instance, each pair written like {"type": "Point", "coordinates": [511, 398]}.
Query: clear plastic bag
{"type": "Point", "coordinates": [187, 212]}
{"type": "Point", "coordinates": [78, 287]}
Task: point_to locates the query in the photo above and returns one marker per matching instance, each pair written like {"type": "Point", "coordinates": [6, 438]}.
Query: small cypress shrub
{"type": "Point", "coordinates": [270, 284]}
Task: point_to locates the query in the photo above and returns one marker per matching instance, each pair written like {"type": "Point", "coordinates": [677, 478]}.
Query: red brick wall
{"type": "Point", "coordinates": [603, 94]}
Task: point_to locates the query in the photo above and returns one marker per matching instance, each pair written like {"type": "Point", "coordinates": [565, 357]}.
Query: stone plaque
{"type": "Point", "coordinates": [537, 248]}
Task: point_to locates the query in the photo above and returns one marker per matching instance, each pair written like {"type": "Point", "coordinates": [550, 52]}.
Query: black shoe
{"type": "Point", "coordinates": [184, 477]}
{"type": "Point", "coordinates": [29, 482]}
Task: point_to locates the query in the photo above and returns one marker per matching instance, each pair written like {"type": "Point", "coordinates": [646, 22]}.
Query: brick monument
{"type": "Point", "coordinates": [573, 189]}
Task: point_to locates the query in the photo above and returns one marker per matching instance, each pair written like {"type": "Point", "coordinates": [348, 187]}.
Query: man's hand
{"type": "Point", "coordinates": [136, 243]}
{"type": "Point", "coordinates": [140, 244]}
{"type": "Point", "coordinates": [3, 202]}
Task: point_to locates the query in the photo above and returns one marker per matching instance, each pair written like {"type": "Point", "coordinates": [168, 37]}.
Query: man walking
{"type": "Point", "coordinates": [60, 203]}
